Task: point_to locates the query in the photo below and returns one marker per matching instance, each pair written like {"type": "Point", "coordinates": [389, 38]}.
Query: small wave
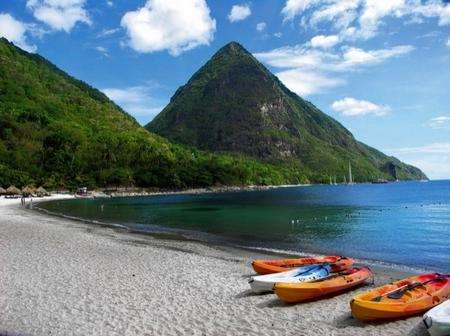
{"type": "Point", "coordinates": [79, 219]}
{"type": "Point", "coordinates": [369, 262]}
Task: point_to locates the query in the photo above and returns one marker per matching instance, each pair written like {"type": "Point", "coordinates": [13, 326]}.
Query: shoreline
{"type": "Point", "coordinates": [137, 192]}
{"type": "Point", "coordinates": [63, 277]}
{"type": "Point", "coordinates": [194, 236]}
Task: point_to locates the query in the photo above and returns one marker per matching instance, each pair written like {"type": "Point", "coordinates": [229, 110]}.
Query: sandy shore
{"type": "Point", "coordinates": [60, 277]}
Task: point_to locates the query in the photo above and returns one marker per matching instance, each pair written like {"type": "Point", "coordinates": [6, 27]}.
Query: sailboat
{"type": "Point", "coordinates": [350, 177]}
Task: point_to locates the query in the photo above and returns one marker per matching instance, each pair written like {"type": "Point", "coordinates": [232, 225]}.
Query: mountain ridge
{"type": "Point", "coordinates": [59, 132]}
{"type": "Point", "coordinates": [234, 104]}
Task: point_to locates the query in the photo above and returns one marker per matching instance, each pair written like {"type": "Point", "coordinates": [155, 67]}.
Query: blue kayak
{"type": "Point", "coordinates": [265, 283]}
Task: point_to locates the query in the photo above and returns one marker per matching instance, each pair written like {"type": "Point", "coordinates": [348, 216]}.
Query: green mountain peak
{"type": "Point", "coordinates": [234, 104]}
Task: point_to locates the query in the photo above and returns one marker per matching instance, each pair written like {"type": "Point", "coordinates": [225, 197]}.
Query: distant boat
{"type": "Point", "coordinates": [350, 177]}
{"type": "Point", "coordinates": [333, 180]}
{"type": "Point", "coordinates": [380, 181]}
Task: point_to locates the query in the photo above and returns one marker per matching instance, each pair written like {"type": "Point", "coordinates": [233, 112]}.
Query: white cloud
{"type": "Point", "coordinates": [15, 32]}
{"type": "Point", "coordinates": [340, 13]}
{"type": "Point", "coordinates": [108, 32]}
{"type": "Point", "coordinates": [448, 42]}
{"type": "Point", "coordinates": [306, 83]}
{"type": "Point", "coordinates": [442, 122]}
{"type": "Point", "coordinates": [433, 9]}
{"type": "Point", "coordinates": [435, 148]}
{"type": "Point", "coordinates": [239, 13]}
{"type": "Point", "coordinates": [102, 50]}
{"type": "Point", "coordinates": [110, 3]}
{"type": "Point", "coordinates": [294, 7]}
{"type": "Point", "coordinates": [354, 19]}
{"type": "Point", "coordinates": [355, 57]}
{"type": "Point", "coordinates": [136, 100]}
{"type": "Point", "coordinates": [321, 66]}
{"type": "Point", "coordinates": [375, 10]}
{"type": "Point", "coordinates": [295, 57]}
{"type": "Point", "coordinates": [176, 26]}
{"type": "Point", "coordinates": [433, 159]}
{"type": "Point", "coordinates": [325, 42]}
{"type": "Point", "coordinates": [261, 26]}
{"type": "Point", "coordinates": [60, 14]}
{"type": "Point", "coordinates": [352, 107]}
{"type": "Point", "coordinates": [301, 56]}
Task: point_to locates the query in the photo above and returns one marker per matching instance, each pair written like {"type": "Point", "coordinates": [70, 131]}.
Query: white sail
{"type": "Point", "coordinates": [350, 177]}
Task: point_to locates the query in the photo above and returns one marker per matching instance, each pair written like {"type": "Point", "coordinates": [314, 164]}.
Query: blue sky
{"type": "Point", "coordinates": [380, 67]}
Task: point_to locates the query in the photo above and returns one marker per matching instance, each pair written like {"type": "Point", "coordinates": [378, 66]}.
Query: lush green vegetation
{"type": "Point", "coordinates": [57, 131]}
{"type": "Point", "coordinates": [234, 104]}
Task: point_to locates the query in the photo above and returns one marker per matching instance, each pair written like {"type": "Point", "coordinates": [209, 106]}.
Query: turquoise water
{"type": "Point", "coordinates": [404, 223]}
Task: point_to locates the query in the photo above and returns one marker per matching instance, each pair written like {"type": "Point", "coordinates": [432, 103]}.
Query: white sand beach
{"type": "Point", "coordinates": [61, 277]}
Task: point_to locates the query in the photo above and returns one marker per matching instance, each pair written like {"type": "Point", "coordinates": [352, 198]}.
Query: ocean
{"type": "Point", "coordinates": [404, 223]}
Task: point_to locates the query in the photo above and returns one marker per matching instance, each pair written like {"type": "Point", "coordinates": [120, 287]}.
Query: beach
{"type": "Point", "coordinates": [63, 277]}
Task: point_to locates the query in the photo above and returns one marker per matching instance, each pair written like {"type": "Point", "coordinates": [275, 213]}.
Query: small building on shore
{"type": "Point", "coordinates": [12, 191]}
{"type": "Point", "coordinates": [28, 191]}
{"type": "Point", "coordinates": [41, 192]}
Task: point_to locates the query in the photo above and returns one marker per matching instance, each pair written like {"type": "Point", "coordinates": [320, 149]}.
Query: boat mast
{"type": "Point", "coordinates": [350, 178]}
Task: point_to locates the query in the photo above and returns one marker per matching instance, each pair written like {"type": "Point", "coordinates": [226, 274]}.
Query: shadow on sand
{"type": "Point", "coordinates": [249, 293]}
{"type": "Point", "coordinates": [347, 320]}
{"type": "Point", "coordinates": [248, 276]}
{"type": "Point", "coordinates": [274, 302]}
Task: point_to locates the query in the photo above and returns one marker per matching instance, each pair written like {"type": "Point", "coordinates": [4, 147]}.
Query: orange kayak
{"type": "Point", "coordinates": [402, 298]}
{"type": "Point", "coordinates": [306, 291]}
{"type": "Point", "coordinates": [337, 263]}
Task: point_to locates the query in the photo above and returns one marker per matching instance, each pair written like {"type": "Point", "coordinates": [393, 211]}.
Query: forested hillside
{"type": "Point", "coordinates": [57, 131]}
{"type": "Point", "coordinates": [233, 104]}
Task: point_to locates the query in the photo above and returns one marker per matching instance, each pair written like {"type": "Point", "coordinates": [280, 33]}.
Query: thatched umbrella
{"type": "Point", "coordinates": [41, 192]}
{"type": "Point", "coordinates": [2, 191]}
{"type": "Point", "coordinates": [12, 190]}
{"type": "Point", "coordinates": [28, 191]}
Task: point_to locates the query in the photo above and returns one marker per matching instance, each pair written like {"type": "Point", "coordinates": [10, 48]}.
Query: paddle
{"type": "Point", "coordinates": [399, 292]}
{"type": "Point", "coordinates": [310, 269]}
{"type": "Point", "coordinates": [332, 275]}
{"type": "Point", "coordinates": [317, 263]}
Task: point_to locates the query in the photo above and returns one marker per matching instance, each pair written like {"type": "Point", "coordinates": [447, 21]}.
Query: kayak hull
{"type": "Point", "coordinates": [294, 293]}
{"type": "Point", "coordinates": [439, 329]}
{"type": "Point", "coordinates": [371, 311]}
{"type": "Point", "coordinates": [366, 307]}
{"type": "Point", "coordinates": [337, 263]}
{"type": "Point", "coordinates": [265, 283]}
{"type": "Point", "coordinates": [437, 320]}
